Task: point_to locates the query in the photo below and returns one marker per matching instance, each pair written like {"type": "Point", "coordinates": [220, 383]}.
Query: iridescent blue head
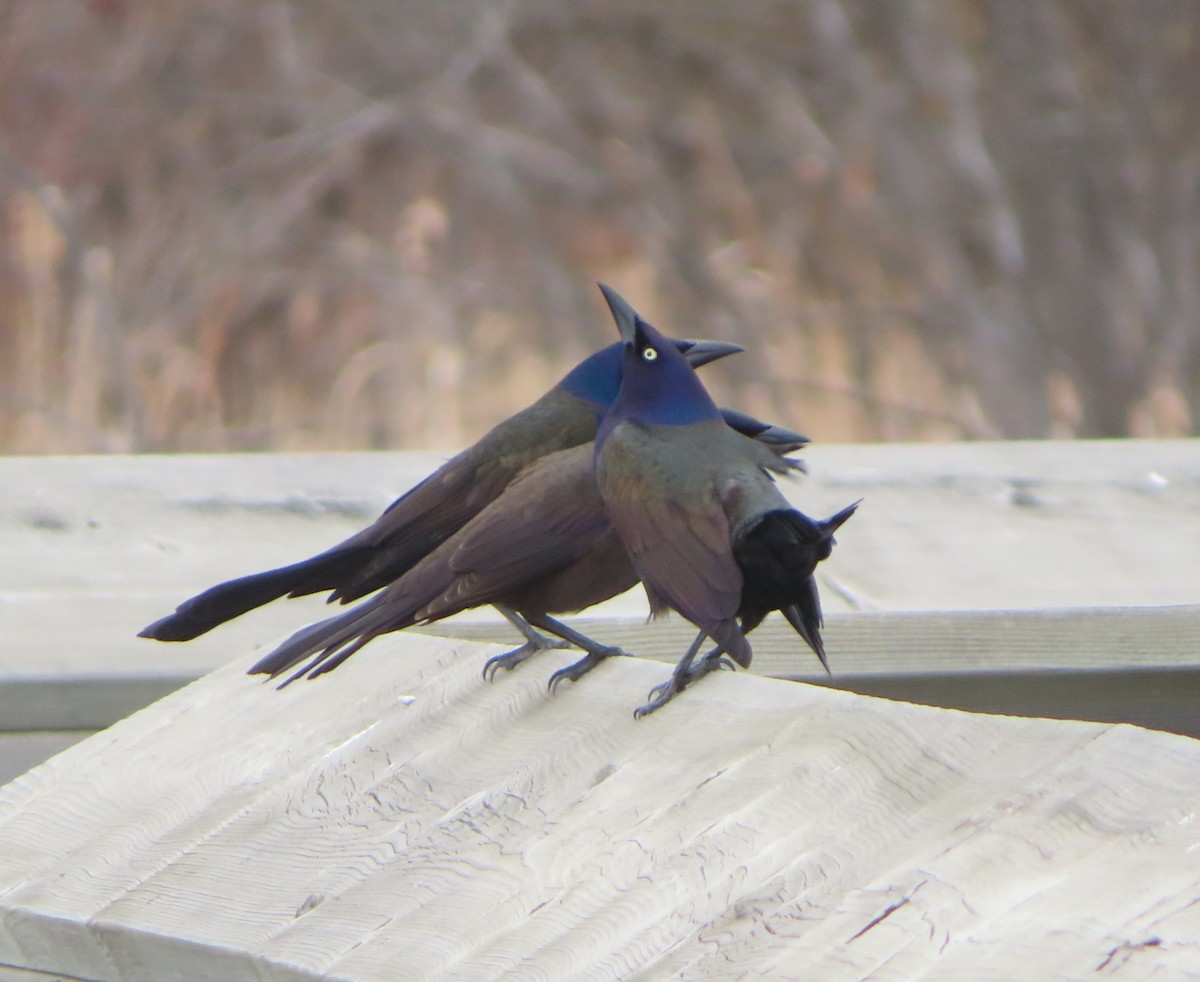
{"type": "Point", "coordinates": [597, 378]}
{"type": "Point", "coordinates": [658, 385]}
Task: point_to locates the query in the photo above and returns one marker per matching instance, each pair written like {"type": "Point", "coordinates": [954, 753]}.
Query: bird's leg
{"type": "Point", "coordinates": [596, 652]}
{"type": "Point", "coordinates": [683, 675]}
{"type": "Point", "coordinates": [713, 659]}
{"type": "Point", "coordinates": [535, 641]}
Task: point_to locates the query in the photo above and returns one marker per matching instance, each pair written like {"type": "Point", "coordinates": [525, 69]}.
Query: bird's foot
{"type": "Point", "coordinates": [511, 659]}
{"type": "Point", "coordinates": [662, 694]}
{"type": "Point", "coordinates": [709, 663]}
{"type": "Point", "coordinates": [574, 672]}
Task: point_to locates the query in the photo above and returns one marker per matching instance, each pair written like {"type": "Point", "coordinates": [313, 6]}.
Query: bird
{"type": "Point", "coordinates": [424, 517]}
{"type": "Point", "coordinates": [544, 546]}
{"type": "Point", "coordinates": [696, 505]}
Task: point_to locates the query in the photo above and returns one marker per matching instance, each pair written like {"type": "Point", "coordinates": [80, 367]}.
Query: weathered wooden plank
{"type": "Point", "coordinates": [21, 751]}
{"type": "Point", "coordinates": [409, 820]}
{"type": "Point", "coordinates": [867, 642]}
{"type": "Point", "coordinates": [8, 974]}
{"type": "Point", "coordinates": [943, 527]}
{"type": "Point", "coordinates": [1138, 665]}
{"type": "Point", "coordinates": [1132, 665]}
{"type": "Point", "coordinates": [102, 545]}
{"type": "Point", "coordinates": [95, 547]}
{"type": "Point", "coordinates": [31, 702]}
{"type": "Point", "coordinates": [870, 643]}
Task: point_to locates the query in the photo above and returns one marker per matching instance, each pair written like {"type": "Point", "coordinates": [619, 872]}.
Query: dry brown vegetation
{"type": "Point", "coordinates": [369, 223]}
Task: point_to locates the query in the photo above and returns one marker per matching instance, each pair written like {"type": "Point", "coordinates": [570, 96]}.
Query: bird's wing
{"type": "Point", "coordinates": [679, 546]}
{"type": "Point", "coordinates": [547, 519]}
{"type": "Point", "coordinates": [421, 520]}
{"type": "Point", "coordinates": [336, 637]}
{"type": "Point", "coordinates": [418, 522]}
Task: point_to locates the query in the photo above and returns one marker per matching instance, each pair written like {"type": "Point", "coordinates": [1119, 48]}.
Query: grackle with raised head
{"type": "Point", "coordinates": [695, 503]}
{"type": "Point", "coordinates": [420, 520]}
{"type": "Point", "coordinates": [544, 546]}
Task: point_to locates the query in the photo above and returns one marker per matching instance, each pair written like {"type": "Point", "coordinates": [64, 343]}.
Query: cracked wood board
{"type": "Point", "coordinates": [403, 819]}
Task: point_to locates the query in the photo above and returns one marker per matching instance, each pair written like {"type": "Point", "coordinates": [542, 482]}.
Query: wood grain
{"type": "Point", "coordinates": [408, 820]}
{"type": "Point", "coordinates": [402, 819]}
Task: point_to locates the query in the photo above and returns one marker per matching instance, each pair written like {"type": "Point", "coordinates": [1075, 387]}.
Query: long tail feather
{"type": "Point", "coordinates": [233, 598]}
{"type": "Point", "coordinates": [327, 638]}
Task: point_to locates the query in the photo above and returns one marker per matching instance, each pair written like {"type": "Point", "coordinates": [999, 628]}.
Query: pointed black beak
{"type": "Point", "coordinates": [697, 352]}
{"type": "Point", "coordinates": [625, 316]}
{"type": "Point", "coordinates": [702, 352]}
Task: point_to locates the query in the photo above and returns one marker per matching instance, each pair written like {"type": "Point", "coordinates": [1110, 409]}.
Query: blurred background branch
{"type": "Point", "coordinates": [377, 223]}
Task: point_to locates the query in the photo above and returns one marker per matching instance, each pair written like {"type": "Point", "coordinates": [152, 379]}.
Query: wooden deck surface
{"type": "Point", "coordinates": [408, 821]}
{"type": "Point", "coordinates": [403, 819]}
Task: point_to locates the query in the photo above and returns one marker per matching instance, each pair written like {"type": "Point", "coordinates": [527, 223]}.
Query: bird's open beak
{"type": "Point", "coordinates": [697, 352]}
{"type": "Point", "coordinates": [625, 316]}
{"type": "Point", "coordinates": [702, 352]}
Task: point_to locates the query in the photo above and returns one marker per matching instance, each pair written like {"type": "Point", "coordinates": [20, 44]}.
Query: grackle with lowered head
{"type": "Point", "coordinates": [695, 503]}
{"type": "Point", "coordinates": [544, 546]}
{"type": "Point", "coordinates": [420, 520]}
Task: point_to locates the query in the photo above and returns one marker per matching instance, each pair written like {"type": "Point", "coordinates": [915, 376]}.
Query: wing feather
{"type": "Point", "coordinates": [550, 517]}
{"type": "Point", "coordinates": [680, 548]}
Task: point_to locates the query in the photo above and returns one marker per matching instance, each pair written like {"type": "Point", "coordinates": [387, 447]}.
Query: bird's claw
{"type": "Point", "coordinates": [577, 670]}
{"type": "Point", "coordinates": [663, 693]}
{"type": "Point", "coordinates": [659, 696]}
{"type": "Point", "coordinates": [510, 659]}
{"type": "Point", "coordinates": [702, 668]}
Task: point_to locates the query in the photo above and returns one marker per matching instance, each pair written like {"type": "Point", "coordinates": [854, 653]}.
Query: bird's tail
{"type": "Point", "coordinates": [233, 598]}
{"type": "Point", "coordinates": [778, 438]}
{"type": "Point", "coordinates": [330, 642]}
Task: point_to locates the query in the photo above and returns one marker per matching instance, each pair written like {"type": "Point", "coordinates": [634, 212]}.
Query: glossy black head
{"type": "Point", "coordinates": [658, 386]}
{"type": "Point", "coordinates": [597, 378]}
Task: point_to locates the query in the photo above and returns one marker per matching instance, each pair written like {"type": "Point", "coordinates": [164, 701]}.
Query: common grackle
{"type": "Point", "coordinates": [695, 503]}
{"type": "Point", "coordinates": [420, 520]}
{"type": "Point", "coordinates": [544, 546]}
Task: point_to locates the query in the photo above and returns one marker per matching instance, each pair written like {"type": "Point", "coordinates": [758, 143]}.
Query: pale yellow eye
{"type": "Point", "coordinates": [649, 354]}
